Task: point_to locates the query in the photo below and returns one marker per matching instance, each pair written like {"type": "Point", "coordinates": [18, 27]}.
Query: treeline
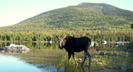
{"type": "Point", "coordinates": [50, 36]}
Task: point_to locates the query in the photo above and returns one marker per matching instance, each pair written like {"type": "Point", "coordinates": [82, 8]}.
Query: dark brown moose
{"type": "Point", "coordinates": [72, 45]}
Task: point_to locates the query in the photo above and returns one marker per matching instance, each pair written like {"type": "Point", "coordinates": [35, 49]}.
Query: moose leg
{"type": "Point", "coordinates": [84, 58]}
{"type": "Point", "coordinates": [89, 56]}
{"type": "Point", "coordinates": [69, 56]}
{"type": "Point", "coordinates": [86, 54]}
{"type": "Point", "coordinates": [74, 58]}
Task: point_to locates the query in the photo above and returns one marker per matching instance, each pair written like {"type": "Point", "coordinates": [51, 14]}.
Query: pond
{"type": "Point", "coordinates": [45, 57]}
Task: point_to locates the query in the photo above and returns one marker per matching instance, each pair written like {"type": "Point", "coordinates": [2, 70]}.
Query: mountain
{"type": "Point", "coordinates": [85, 16]}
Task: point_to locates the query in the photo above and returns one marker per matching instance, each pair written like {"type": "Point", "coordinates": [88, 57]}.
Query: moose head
{"type": "Point", "coordinates": [61, 42]}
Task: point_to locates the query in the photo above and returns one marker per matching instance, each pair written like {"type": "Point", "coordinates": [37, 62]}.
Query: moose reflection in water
{"type": "Point", "coordinates": [72, 45]}
{"type": "Point", "coordinates": [15, 49]}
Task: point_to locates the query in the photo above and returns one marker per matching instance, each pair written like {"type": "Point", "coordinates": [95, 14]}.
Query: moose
{"type": "Point", "coordinates": [72, 44]}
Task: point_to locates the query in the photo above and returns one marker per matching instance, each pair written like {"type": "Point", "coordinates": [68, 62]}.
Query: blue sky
{"type": "Point", "coordinates": [14, 11]}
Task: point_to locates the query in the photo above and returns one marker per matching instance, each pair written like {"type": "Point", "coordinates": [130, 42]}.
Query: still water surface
{"type": "Point", "coordinates": [48, 58]}
{"type": "Point", "coordinates": [10, 63]}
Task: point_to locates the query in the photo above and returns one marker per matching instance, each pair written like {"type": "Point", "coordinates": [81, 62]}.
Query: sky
{"type": "Point", "coordinates": [15, 11]}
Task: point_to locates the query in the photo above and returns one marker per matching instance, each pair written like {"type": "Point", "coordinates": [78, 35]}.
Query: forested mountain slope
{"type": "Point", "coordinates": [85, 16]}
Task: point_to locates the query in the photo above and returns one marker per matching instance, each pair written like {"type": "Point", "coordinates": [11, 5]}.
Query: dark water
{"type": "Point", "coordinates": [48, 58]}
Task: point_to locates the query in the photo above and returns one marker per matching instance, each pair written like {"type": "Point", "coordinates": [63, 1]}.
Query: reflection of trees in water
{"type": "Point", "coordinates": [44, 55]}
{"type": "Point", "coordinates": [42, 58]}
{"type": "Point", "coordinates": [31, 45]}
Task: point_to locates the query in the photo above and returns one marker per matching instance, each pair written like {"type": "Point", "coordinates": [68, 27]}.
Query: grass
{"type": "Point", "coordinates": [60, 58]}
{"type": "Point", "coordinates": [103, 63]}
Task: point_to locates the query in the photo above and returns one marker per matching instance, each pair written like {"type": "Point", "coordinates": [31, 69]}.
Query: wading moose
{"type": "Point", "coordinates": [72, 45]}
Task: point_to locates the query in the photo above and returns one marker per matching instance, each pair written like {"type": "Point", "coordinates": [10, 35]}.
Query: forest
{"type": "Point", "coordinates": [99, 36]}
{"type": "Point", "coordinates": [97, 21]}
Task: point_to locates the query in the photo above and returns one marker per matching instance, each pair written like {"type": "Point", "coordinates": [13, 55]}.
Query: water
{"type": "Point", "coordinates": [48, 58]}
{"type": "Point", "coordinates": [10, 63]}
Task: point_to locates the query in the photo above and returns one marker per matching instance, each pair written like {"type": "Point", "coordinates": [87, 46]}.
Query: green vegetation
{"type": "Point", "coordinates": [50, 55]}
{"type": "Point", "coordinates": [50, 36]}
{"type": "Point", "coordinates": [97, 21]}
{"type": "Point", "coordinates": [83, 17]}
{"type": "Point", "coordinates": [100, 63]}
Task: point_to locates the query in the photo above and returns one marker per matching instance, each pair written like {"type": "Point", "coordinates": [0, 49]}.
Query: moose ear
{"type": "Point", "coordinates": [57, 37]}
